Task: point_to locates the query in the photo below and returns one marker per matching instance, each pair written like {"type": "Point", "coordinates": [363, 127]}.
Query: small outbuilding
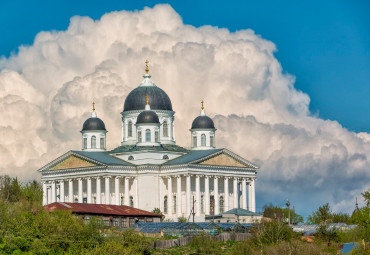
{"type": "Point", "coordinates": [111, 215]}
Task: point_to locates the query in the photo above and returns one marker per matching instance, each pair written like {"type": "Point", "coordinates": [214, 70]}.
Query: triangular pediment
{"type": "Point", "coordinates": [73, 162]}
{"type": "Point", "coordinates": [223, 160]}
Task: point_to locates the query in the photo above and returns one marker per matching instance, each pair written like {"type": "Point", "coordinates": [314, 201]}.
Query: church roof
{"type": "Point", "coordinates": [136, 99]}
{"type": "Point", "coordinates": [192, 156]}
{"type": "Point", "coordinates": [103, 157]}
{"type": "Point", "coordinates": [202, 122]}
{"type": "Point", "coordinates": [93, 123]}
{"type": "Point", "coordinates": [162, 147]}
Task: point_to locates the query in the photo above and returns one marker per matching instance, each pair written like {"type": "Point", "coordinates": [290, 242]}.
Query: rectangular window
{"type": "Point", "coordinates": [85, 143]}
{"type": "Point", "coordinates": [102, 143]}
{"type": "Point", "coordinates": [194, 141]}
{"type": "Point", "coordinates": [212, 139]}
{"type": "Point", "coordinates": [156, 137]}
{"type": "Point", "coordinates": [139, 136]}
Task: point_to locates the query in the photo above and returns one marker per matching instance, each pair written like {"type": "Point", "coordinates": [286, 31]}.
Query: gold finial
{"type": "Point", "coordinates": [93, 106]}
{"type": "Point", "coordinates": [146, 66]}
{"type": "Point", "coordinates": [202, 105]}
{"type": "Point", "coordinates": [147, 99]}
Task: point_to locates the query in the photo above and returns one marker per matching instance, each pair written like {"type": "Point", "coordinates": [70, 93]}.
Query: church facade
{"type": "Point", "coordinates": [148, 170]}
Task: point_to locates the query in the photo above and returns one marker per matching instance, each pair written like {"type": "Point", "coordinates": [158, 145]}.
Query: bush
{"type": "Point", "coordinates": [271, 232]}
{"type": "Point", "coordinates": [204, 244]}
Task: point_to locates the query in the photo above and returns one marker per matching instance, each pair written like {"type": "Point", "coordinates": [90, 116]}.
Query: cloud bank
{"type": "Point", "coordinates": [46, 91]}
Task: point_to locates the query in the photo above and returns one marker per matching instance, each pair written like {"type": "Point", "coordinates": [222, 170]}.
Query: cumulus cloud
{"type": "Point", "coordinates": [46, 91]}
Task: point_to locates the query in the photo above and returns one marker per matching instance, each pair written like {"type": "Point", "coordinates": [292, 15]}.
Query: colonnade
{"type": "Point", "coordinates": [54, 191]}
{"type": "Point", "coordinates": [242, 193]}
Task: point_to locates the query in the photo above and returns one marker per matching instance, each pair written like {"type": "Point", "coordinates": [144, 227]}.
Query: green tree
{"type": "Point", "coordinates": [278, 213]}
{"type": "Point", "coordinates": [362, 218]}
{"type": "Point", "coordinates": [341, 218]}
{"type": "Point", "coordinates": [157, 210]}
{"type": "Point", "coordinates": [366, 196]}
{"type": "Point", "coordinates": [321, 215]}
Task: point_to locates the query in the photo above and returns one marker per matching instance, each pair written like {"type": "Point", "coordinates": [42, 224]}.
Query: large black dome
{"type": "Point", "coordinates": [203, 122]}
{"type": "Point", "coordinates": [158, 99]}
{"type": "Point", "coordinates": [93, 123]}
{"type": "Point", "coordinates": [147, 117]}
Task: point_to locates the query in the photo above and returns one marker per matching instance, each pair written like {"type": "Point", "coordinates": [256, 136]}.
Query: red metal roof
{"type": "Point", "coordinates": [121, 210]}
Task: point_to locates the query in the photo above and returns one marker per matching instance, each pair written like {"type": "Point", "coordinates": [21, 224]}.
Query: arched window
{"type": "Point", "coordinates": [221, 204]}
{"type": "Point", "coordinates": [130, 128]}
{"type": "Point", "coordinates": [156, 136]}
{"type": "Point", "coordinates": [165, 204]}
{"type": "Point", "coordinates": [131, 158]}
{"type": "Point", "coordinates": [76, 200]}
{"type": "Point", "coordinates": [122, 200]}
{"type": "Point", "coordinates": [85, 143]}
{"type": "Point", "coordinates": [102, 143]}
{"type": "Point", "coordinates": [131, 201]}
{"type": "Point", "coordinates": [93, 142]}
{"type": "Point", "coordinates": [174, 204]}
{"type": "Point", "coordinates": [147, 135]}
{"type": "Point", "coordinates": [203, 140]}
{"type": "Point", "coordinates": [165, 129]}
{"type": "Point", "coordinates": [139, 137]}
{"type": "Point", "coordinates": [165, 157]}
{"type": "Point", "coordinates": [194, 141]}
{"type": "Point", "coordinates": [212, 141]}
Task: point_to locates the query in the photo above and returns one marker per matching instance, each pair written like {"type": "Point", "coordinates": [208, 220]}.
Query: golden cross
{"type": "Point", "coordinates": [146, 66]}
{"type": "Point", "coordinates": [147, 99]}
{"type": "Point", "coordinates": [93, 106]}
{"type": "Point", "coordinates": [202, 105]}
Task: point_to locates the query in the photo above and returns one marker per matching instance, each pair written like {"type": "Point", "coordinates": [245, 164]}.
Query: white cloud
{"type": "Point", "coordinates": [47, 88]}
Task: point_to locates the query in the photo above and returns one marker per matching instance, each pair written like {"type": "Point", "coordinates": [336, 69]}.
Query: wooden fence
{"type": "Point", "coordinates": [223, 237]}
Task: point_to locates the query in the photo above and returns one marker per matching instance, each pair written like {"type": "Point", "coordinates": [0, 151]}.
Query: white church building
{"type": "Point", "coordinates": [148, 170]}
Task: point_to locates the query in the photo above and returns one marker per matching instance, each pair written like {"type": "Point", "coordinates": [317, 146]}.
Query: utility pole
{"type": "Point", "coordinates": [288, 205]}
{"type": "Point", "coordinates": [293, 215]}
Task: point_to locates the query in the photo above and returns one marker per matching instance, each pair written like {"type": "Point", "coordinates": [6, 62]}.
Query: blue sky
{"type": "Point", "coordinates": [324, 44]}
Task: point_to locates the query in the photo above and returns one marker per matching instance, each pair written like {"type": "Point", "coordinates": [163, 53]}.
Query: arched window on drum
{"type": "Point", "coordinates": [165, 128]}
{"type": "Point", "coordinates": [203, 140]}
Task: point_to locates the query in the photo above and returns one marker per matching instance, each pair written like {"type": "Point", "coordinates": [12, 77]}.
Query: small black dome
{"type": "Point", "coordinates": [158, 99]}
{"type": "Point", "coordinates": [203, 122]}
{"type": "Point", "coordinates": [147, 117]}
{"type": "Point", "coordinates": [93, 123]}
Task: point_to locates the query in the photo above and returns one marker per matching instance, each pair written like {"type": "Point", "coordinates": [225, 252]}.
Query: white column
{"type": "Point", "coordinates": [61, 191]}
{"type": "Point", "coordinates": [107, 190]}
{"type": "Point", "coordinates": [217, 201]}
{"type": "Point", "coordinates": [197, 195]}
{"type": "Point", "coordinates": [253, 209]}
{"type": "Point", "coordinates": [170, 196]}
{"type": "Point", "coordinates": [98, 190]}
{"type": "Point", "coordinates": [244, 194]}
{"type": "Point", "coordinates": [235, 192]}
{"type": "Point", "coordinates": [44, 194]}
{"type": "Point", "coordinates": [206, 194]}
{"type": "Point", "coordinates": [226, 192]}
{"type": "Point", "coordinates": [80, 198]}
{"type": "Point", "coordinates": [49, 194]}
{"type": "Point", "coordinates": [188, 203]}
{"type": "Point", "coordinates": [178, 196]}
{"type": "Point", "coordinates": [116, 190]}
{"type": "Point", "coordinates": [127, 191]}
{"type": "Point", "coordinates": [136, 205]}
{"type": "Point", "coordinates": [70, 191]}
{"type": "Point", "coordinates": [250, 196]}
{"type": "Point", "coordinates": [53, 192]}
{"type": "Point", "coordinates": [89, 195]}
